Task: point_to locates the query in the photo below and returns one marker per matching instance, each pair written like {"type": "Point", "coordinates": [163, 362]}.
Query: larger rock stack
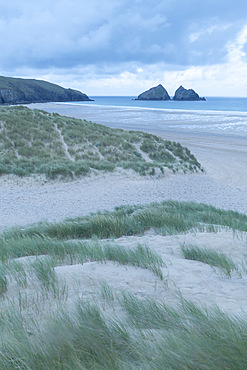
{"type": "Point", "coordinates": [155, 93]}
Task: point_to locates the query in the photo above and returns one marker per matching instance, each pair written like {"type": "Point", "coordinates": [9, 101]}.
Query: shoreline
{"type": "Point", "coordinates": [164, 110]}
{"type": "Point", "coordinates": [152, 120]}
{"type": "Point", "coordinates": [85, 104]}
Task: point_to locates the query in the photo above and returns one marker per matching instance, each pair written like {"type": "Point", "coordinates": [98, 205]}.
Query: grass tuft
{"type": "Point", "coordinates": [210, 257]}
{"type": "Point", "coordinates": [3, 279]}
{"type": "Point", "coordinates": [167, 218]}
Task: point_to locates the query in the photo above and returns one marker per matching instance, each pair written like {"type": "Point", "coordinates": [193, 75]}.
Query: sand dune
{"type": "Point", "coordinates": [25, 201]}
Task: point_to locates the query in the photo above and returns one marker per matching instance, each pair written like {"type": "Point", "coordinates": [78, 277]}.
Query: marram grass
{"type": "Point", "coordinates": [119, 330]}
{"type": "Point", "coordinates": [151, 335]}
{"type": "Point", "coordinates": [168, 217]}
{"type": "Point", "coordinates": [36, 142]}
{"type": "Point", "coordinates": [210, 257]}
{"type": "Point", "coordinates": [74, 252]}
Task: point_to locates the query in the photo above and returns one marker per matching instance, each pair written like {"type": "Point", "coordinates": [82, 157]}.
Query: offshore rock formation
{"type": "Point", "coordinates": [23, 91]}
{"type": "Point", "coordinates": [183, 94]}
{"type": "Point", "coordinates": [155, 93]}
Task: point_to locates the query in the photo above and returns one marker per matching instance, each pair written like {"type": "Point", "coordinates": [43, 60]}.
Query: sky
{"type": "Point", "coordinates": [123, 47]}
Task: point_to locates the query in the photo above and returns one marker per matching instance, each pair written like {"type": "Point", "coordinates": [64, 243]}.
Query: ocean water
{"type": "Point", "coordinates": [216, 114]}
{"type": "Point", "coordinates": [211, 104]}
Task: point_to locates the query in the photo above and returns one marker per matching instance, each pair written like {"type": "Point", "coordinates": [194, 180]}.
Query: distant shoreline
{"type": "Point", "coordinates": [172, 110]}
{"type": "Point", "coordinates": [213, 104]}
{"type": "Point", "coordinates": [154, 119]}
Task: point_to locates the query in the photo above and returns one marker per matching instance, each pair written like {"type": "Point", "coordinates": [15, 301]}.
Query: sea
{"type": "Point", "coordinates": [218, 114]}
{"type": "Point", "coordinates": [211, 103]}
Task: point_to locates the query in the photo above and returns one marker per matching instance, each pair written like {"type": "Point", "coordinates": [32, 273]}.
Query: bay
{"type": "Point", "coordinates": [221, 115]}
{"type": "Point", "coordinates": [211, 104]}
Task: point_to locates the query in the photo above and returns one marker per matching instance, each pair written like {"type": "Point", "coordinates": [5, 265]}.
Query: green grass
{"type": "Point", "coordinates": [210, 257]}
{"type": "Point", "coordinates": [44, 271]}
{"type": "Point", "coordinates": [18, 272]}
{"type": "Point", "coordinates": [37, 142]}
{"type": "Point", "coordinates": [72, 253]}
{"type": "Point", "coordinates": [51, 253]}
{"type": "Point", "coordinates": [152, 335]}
{"type": "Point", "coordinates": [3, 279]}
{"type": "Point", "coordinates": [167, 218]}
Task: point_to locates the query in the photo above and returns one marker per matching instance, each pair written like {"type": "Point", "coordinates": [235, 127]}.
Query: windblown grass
{"type": "Point", "coordinates": [152, 335]}
{"type": "Point", "coordinates": [44, 271]}
{"type": "Point", "coordinates": [17, 270]}
{"type": "Point", "coordinates": [167, 218]}
{"type": "Point", "coordinates": [72, 253]}
{"type": "Point", "coordinates": [118, 330]}
{"type": "Point", "coordinates": [3, 279]}
{"type": "Point", "coordinates": [210, 257]}
{"type": "Point", "coordinates": [37, 142]}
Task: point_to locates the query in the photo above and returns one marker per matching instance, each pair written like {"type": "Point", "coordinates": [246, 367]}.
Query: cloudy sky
{"type": "Point", "coordinates": [123, 47]}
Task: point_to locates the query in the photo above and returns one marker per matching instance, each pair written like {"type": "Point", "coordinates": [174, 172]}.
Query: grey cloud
{"type": "Point", "coordinates": [64, 34]}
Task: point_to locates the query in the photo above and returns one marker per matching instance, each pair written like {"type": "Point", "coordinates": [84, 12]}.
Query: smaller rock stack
{"type": "Point", "coordinates": [183, 94]}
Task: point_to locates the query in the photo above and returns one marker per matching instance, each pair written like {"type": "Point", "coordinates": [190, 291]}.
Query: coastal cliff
{"type": "Point", "coordinates": [186, 95]}
{"type": "Point", "coordinates": [23, 91]}
{"type": "Point", "coordinates": [155, 93]}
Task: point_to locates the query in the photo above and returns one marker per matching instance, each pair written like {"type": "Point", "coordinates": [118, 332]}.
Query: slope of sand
{"type": "Point", "coordinates": [25, 202]}
{"type": "Point", "coordinates": [224, 185]}
{"type": "Point", "coordinates": [195, 281]}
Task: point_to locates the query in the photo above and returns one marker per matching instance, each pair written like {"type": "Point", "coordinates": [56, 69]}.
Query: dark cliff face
{"type": "Point", "coordinates": [183, 94]}
{"type": "Point", "coordinates": [22, 91]}
{"type": "Point", "coordinates": [155, 93]}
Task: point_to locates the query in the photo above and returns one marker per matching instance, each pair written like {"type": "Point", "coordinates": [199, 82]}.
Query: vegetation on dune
{"type": "Point", "coordinates": [210, 257]}
{"type": "Point", "coordinates": [152, 335]}
{"type": "Point", "coordinates": [167, 218]}
{"type": "Point", "coordinates": [37, 142]}
{"type": "Point", "coordinates": [118, 329]}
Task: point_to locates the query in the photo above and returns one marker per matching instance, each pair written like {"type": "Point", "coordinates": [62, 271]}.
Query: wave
{"type": "Point", "coordinates": [168, 110]}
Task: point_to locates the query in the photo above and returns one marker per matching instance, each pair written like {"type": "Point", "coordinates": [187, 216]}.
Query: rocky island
{"type": "Point", "coordinates": [160, 93]}
{"type": "Point", "coordinates": [23, 91]}
{"type": "Point", "coordinates": [183, 94]}
{"type": "Point", "coordinates": [155, 93]}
